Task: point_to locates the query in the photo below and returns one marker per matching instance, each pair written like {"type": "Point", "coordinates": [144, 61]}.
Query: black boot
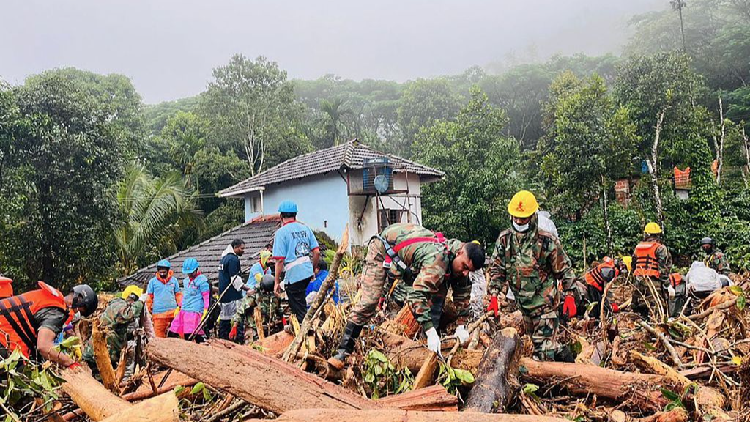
{"type": "Point", "coordinates": [346, 346]}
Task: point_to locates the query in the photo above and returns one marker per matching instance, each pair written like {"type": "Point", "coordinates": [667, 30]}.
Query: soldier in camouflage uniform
{"type": "Point", "coordinates": [456, 283]}
{"type": "Point", "coordinates": [270, 308]}
{"type": "Point", "coordinates": [713, 257]}
{"type": "Point", "coordinates": [421, 259]}
{"type": "Point", "coordinates": [532, 263]}
{"type": "Point", "coordinates": [653, 264]}
{"type": "Point", "coordinates": [116, 320]}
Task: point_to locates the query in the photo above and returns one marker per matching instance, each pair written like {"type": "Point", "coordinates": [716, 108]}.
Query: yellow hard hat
{"type": "Point", "coordinates": [523, 204]}
{"type": "Point", "coordinates": [264, 255]}
{"type": "Point", "coordinates": [132, 289]}
{"type": "Point", "coordinates": [652, 228]}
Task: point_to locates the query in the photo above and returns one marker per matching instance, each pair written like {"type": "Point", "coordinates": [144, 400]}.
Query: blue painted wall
{"type": "Point", "coordinates": [320, 199]}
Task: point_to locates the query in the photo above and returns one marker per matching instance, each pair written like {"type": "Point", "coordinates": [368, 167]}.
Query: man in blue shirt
{"type": "Point", "coordinates": [296, 252]}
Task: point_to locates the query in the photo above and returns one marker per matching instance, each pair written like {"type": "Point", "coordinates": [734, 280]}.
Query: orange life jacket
{"type": "Point", "coordinates": [646, 263]}
{"type": "Point", "coordinates": [18, 329]}
{"type": "Point", "coordinates": [675, 279]}
{"type": "Point", "coordinates": [6, 287]}
{"type": "Point", "coordinates": [594, 276]}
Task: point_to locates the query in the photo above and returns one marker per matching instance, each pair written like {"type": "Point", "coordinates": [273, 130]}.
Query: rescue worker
{"type": "Point", "coordinates": [270, 309]}
{"type": "Point", "coordinates": [259, 269]}
{"type": "Point", "coordinates": [195, 301]}
{"type": "Point", "coordinates": [296, 252]}
{"type": "Point", "coordinates": [116, 321]}
{"type": "Point", "coordinates": [231, 286]}
{"type": "Point", "coordinates": [31, 321]}
{"type": "Point", "coordinates": [679, 285]}
{"type": "Point", "coordinates": [713, 257]}
{"type": "Point", "coordinates": [6, 287]}
{"type": "Point", "coordinates": [423, 260]}
{"type": "Point", "coordinates": [596, 280]}
{"type": "Point", "coordinates": [652, 267]}
{"type": "Point", "coordinates": [531, 262]}
{"type": "Point", "coordinates": [164, 297]}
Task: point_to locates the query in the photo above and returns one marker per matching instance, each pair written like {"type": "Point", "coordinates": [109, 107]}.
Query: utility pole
{"type": "Point", "coordinates": [678, 5]}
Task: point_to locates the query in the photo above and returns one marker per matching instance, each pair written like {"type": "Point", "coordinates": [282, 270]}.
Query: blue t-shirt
{"type": "Point", "coordinates": [316, 284]}
{"type": "Point", "coordinates": [164, 294]}
{"type": "Point", "coordinates": [256, 269]}
{"type": "Point", "coordinates": [192, 293]}
{"type": "Point", "coordinates": [294, 242]}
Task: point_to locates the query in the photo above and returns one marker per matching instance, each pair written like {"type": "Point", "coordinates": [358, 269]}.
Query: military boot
{"type": "Point", "coordinates": [346, 346]}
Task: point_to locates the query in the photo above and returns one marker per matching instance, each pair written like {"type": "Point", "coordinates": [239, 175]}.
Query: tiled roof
{"type": "Point", "coordinates": [256, 234]}
{"type": "Point", "coordinates": [350, 155]}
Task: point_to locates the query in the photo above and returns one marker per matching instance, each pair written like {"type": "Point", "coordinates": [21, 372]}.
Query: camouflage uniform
{"type": "Point", "coordinates": [270, 309]}
{"type": "Point", "coordinates": [116, 319]}
{"type": "Point", "coordinates": [717, 261]}
{"type": "Point", "coordinates": [461, 287]}
{"type": "Point", "coordinates": [429, 263]}
{"type": "Point", "coordinates": [531, 264]}
{"type": "Point", "coordinates": [642, 294]}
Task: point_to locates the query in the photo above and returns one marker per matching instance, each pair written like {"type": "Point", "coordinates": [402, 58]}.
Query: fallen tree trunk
{"type": "Point", "coordinates": [246, 373]}
{"type": "Point", "coordinates": [175, 379]}
{"type": "Point", "coordinates": [163, 408]}
{"type": "Point", "coordinates": [494, 381]}
{"type": "Point", "coordinates": [404, 352]}
{"type": "Point", "coordinates": [328, 415]}
{"type": "Point", "coordinates": [434, 398]}
{"type": "Point", "coordinates": [101, 355]}
{"type": "Point", "coordinates": [91, 396]}
{"type": "Point", "coordinates": [274, 345]}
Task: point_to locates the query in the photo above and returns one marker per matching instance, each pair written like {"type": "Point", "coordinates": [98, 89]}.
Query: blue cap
{"type": "Point", "coordinates": [287, 206]}
{"type": "Point", "coordinates": [189, 266]}
{"type": "Point", "coordinates": [163, 263]}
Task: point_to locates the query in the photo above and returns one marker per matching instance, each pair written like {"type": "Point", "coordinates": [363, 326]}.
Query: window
{"type": "Point", "coordinates": [388, 217]}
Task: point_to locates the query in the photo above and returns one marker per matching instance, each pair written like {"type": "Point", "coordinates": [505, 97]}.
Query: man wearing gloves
{"type": "Point", "coordinates": [195, 299]}
{"type": "Point", "coordinates": [422, 259]}
{"type": "Point", "coordinates": [164, 297]}
{"type": "Point", "coordinates": [230, 287]}
{"type": "Point", "coordinates": [531, 262]}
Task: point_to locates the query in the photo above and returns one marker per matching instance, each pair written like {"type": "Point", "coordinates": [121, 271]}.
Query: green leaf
{"type": "Point", "coordinates": [369, 378]}
{"type": "Point", "coordinates": [377, 355]}
{"type": "Point", "coordinates": [179, 390]}
{"type": "Point", "coordinates": [669, 395]}
{"type": "Point", "coordinates": [465, 376]}
{"type": "Point", "coordinates": [530, 388]}
{"type": "Point", "coordinates": [736, 290]}
{"type": "Point", "coordinates": [741, 302]}
{"type": "Point", "coordinates": [197, 388]}
{"type": "Point", "coordinates": [377, 370]}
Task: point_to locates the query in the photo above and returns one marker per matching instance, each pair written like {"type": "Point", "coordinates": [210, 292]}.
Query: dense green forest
{"type": "Point", "coordinates": [96, 184]}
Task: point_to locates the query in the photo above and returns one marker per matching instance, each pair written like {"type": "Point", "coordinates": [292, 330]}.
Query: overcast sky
{"type": "Point", "coordinates": [168, 47]}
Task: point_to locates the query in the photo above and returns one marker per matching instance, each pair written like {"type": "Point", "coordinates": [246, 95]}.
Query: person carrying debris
{"type": "Point", "coordinates": [296, 252]}
{"type": "Point", "coordinates": [195, 301]}
{"type": "Point", "coordinates": [531, 262]}
{"type": "Point", "coordinates": [259, 269]}
{"type": "Point", "coordinates": [421, 259]}
{"type": "Point", "coordinates": [653, 264]}
{"type": "Point", "coordinates": [29, 322]}
{"type": "Point", "coordinates": [164, 297]}
{"type": "Point", "coordinates": [713, 257]}
{"type": "Point", "coordinates": [230, 287]}
{"type": "Point", "coordinates": [270, 309]}
{"type": "Point", "coordinates": [597, 279]}
{"type": "Point", "coordinates": [116, 321]}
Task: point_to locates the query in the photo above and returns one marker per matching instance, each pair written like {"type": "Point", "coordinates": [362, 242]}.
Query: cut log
{"type": "Point", "coordinates": [91, 396]}
{"type": "Point", "coordinates": [495, 380]}
{"type": "Point", "coordinates": [590, 379]}
{"type": "Point", "coordinates": [305, 325]}
{"type": "Point", "coordinates": [258, 316]}
{"type": "Point", "coordinates": [404, 352]}
{"type": "Point", "coordinates": [101, 355]}
{"type": "Point", "coordinates": [434, 398]}
{"type": "Point", "coordinates": [175, 379]}
{"type": "Point", "coordinates": [328, 415]}
{"type": "Point", "coordinates": [403, 324]}
{"type": "Point", "coordinates": [426, 374]}
{"type": "Point", "coordinates": [163, 408]}
{"type": "Point", "coordinates": [274, 345]}
{"type": "Point", "coordinates": [467, 359]}
{"type": "Point", "coordinates": [246, 373]}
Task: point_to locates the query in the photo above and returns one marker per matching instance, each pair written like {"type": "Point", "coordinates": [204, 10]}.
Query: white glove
{"type": "Point", "coordinates": [433, 340]}
{"type": "Point", "coordinates": [462, 334]}
{"type": "Point", "coordinates": [143, 298]}
{"type": "Point", "coordinates": [237, 282]}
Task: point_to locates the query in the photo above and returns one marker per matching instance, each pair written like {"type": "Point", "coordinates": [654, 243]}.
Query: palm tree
{"type": "Point", "coordinates": [154, 211]}
{"type": "Point", "coordinates": [333, 113]}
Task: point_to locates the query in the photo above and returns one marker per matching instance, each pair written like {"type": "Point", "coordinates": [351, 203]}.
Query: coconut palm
{"type": "Point", "coordinates": [334, 112]}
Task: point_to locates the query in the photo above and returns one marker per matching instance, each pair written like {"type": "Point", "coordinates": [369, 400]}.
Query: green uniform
{"type": "Point", "coordinates": [116, 318]}
{"type": "Point", "coordinates": [270, 309]}
{"type": "Point", "coordinates": [642, 295]}
{"type": "Point", "coordinates": [531, 264]}
{"type": "Point", "coordinates": [429, 264]}
{"type": "Point", "coordinates": [717, 261]}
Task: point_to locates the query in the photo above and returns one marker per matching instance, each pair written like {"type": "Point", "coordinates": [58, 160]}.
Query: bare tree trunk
{"type": "Point", "coordinates": [746, 145]}
{"type": "Point", "coordinates": [605, 210]}
{"type": "Point", "coordinates": [720, 146]}
{"type": "Point", "coordinates": [654, 165]}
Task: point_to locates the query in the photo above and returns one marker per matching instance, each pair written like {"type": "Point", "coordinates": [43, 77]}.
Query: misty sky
{"type": "Point", "coordinates": [168, 47]}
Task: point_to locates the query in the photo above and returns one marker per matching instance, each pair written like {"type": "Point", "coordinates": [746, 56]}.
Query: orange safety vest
{"type": "Point", "coordinates": [646, 263]}
{"type": "Point", "coordinates": [675, 279]}
{"type": "Point", "coordinates": [18, 328]}
{"type": "Point", "coordinates": [594, 276]}
{"type": "Point", "coordinates": [6, 287]}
